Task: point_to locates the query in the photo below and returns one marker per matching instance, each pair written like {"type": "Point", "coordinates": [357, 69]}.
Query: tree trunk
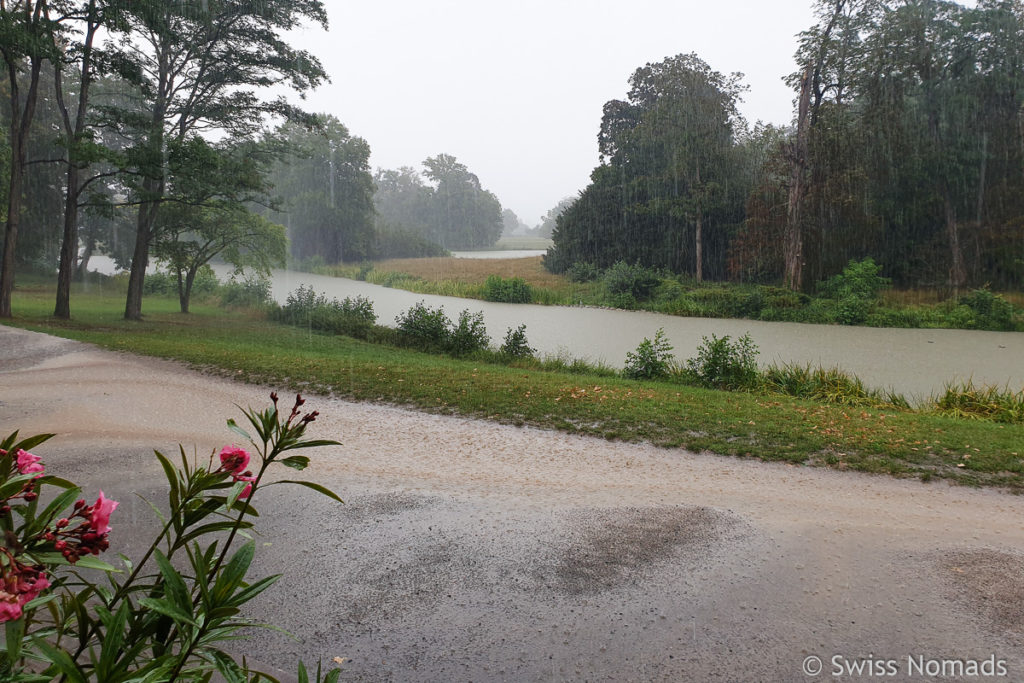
{"type": "Point", "coordinates": [185, 292]}
{"type": "Point", "coordinates": [82, 267]}
{"type": "Point", "coordinates": [140, 255]}
{"type": "Point", "coordinates": [21, 121]}
{"type": "Point", "coordinates": [69, 245]}
{"type": "Point", "coordinates": [957, 276]}
{"type": "Point", "coordinates": [793, 243]}
{"type": "Point", "coordinates": [700, 246]}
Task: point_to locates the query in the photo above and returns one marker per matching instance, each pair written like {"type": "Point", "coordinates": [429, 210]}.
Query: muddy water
{"type": "Point", "coordinates": [917, 363]}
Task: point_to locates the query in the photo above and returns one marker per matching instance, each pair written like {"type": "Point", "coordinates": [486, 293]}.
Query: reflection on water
{"type": "Point", "coordinates": [916, 363]}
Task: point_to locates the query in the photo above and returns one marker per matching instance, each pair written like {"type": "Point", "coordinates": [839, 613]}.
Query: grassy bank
{"type": "Point", "coordinates": [245, 346]}
{"type": "Point", "coordinates": [632, 287]}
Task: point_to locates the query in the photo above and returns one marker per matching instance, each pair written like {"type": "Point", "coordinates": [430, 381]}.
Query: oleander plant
{"type": "Point", "coordinates": [166, 615]}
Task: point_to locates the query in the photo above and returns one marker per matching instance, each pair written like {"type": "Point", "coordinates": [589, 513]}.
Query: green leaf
{"type": "Point", "coordinates": [172, 479]}
{"type": "Point", "coordinates": [316, 487]}
{"type": "Point", "coordinates": [246, 594]}
{"type": "Point", "coordinates": [62, 501]}
{"type": "Point", "coordinates": [112, 641]}
{"type": "Point", "coordinates": [316, 443]}
{"type": "Point", "coordinates": [86, 562]}
{"type": "Point", "coordinates": [60, 659]}
{"type": "Point", "coordinates": [233, 426]}
{"type": "Point", "coordinates": [228, 667]}
{"type": "Point", "coordinates": [14, 632]}
{"type": "Point", "coordinates": [296, 462]}
{"type": "Point", "coordinates": [233, 573]}
{"type": "Point", "coordinates": [174, 584]}
{"type": "Point", "coordinates": [30, 443]}
{"type": "Point", "coordinates": [168, 610]}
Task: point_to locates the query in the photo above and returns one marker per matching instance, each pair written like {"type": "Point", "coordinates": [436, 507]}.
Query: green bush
{"type": "Point", "coordinates": [651, 360]}
{"type": "Point", "coordinates": [160, 282]}
{"type": "Point", "coordinates": [636, 280]}
{"type": "Point", "coordinates": [515, 345]}
{"type": "Point", "coordinates": [859, 279]}
{"type": "Point", "coordinates": [583, 272]}
{"type": "Point", "coordinates": [423, 327]}
{"type": "Point", "coordinates": [991, 311]}
{"type": "Point", "coordinates": [353, 317]}
{"type": "Point", "coordinates": [252, 292]}
{"type": "Point", "coordinates": [468, 335]}
{"type": "Point", "coordinates": [722, 364]}
{"type": "Point", "coordinates": [511, 291]}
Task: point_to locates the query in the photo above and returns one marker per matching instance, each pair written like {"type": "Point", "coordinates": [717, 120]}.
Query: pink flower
{"type": "Point", "coordinates": [28, 463]}
{"type": "Point", "coordinates": [244, 495]}
{"type": "Point", "coordinates": [99, 519]}
{"type": "Point", "coordinates": [9, 607]}
{"type": "Point", "coordinates": [233, 459]}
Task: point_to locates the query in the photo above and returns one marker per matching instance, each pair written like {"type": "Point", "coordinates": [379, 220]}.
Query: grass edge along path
{"type": "Point", "coordinates": [770, 428]}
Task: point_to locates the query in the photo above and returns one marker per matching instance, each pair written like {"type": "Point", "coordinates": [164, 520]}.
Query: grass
{"type": "Point", "coordinates": [246, 347]}
{"type": "Point", "coordinates": [465, 278]}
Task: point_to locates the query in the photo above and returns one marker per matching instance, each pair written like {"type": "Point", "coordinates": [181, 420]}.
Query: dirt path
{"type": "Point", "coordinates": [469, 551]}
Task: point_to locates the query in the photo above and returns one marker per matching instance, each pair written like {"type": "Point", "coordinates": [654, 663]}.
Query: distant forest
{"type": "Point", "coordinates": [907, 147]}
{"type": "Point", "coordinates": [151, 130]}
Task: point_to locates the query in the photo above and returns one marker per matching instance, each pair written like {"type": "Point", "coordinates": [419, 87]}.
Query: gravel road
{"type": "Point", "coordinates": [471, 551]}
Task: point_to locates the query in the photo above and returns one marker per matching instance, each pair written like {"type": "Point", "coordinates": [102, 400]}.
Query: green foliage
{"type": "Point", "coordinates": [511, 291]}
{"type": "Point", "coordinates": [165, 282]}
{"type": "Point", "coordinates": [981, 403]}
{"type": "Point", "coordinates": [166, 614]}
{"type": "Point", "coordinates": [991, 311]}
{"type": "Point", "coordinates": [583, 271]}
{"type": "Point", "coordinates": [515, 344]}
{"type": "Point", "coordinates": [651, 360]}
{"type": "Point", "coordinates": [855, 291]}
{"type": "Point", "coordinates": [251, 292]}
{"type": "Point", "coordinates": [423, 327]}
{"type": "Point", "coordinates": [468, 335]}
{"type": "Point", "coordinates": [722, 364]}
{"type": "Point", "coordinates": [636, 281]}
{"type": "Point", "coordinates": [830, 385]}
{"type": "Point", "coordinates": [429, 329]}
{"type": "Point", "coordinates": [352, 316]}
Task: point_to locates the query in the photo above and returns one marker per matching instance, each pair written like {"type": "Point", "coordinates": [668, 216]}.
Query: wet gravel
{"type": "Point", "coordinates": [469, 551]}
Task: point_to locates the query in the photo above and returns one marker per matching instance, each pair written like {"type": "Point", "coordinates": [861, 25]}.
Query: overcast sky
{"type": "Point", "coordinates": [514, 90]}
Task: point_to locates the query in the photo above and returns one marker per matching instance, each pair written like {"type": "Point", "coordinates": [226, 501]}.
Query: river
{"type": "Point", "coordinates": [916, 363]}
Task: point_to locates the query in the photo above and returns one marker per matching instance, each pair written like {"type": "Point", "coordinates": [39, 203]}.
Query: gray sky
{"type": "Point", "coordinates": [515, 90]}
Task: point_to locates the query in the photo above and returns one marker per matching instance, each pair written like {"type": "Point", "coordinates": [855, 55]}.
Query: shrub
{"type": "Point", "coordinates": [859, 279]}
{"type": "Point", "coordinates": [991, 311]}
{"type": "Point", "coordinates": [353, 316]}
{"type": "Point", "coordinates": [651, 360]}
{"type": "Point", "coordinates": [165, 616]}
{"type": "Point", "coordinates": [252, 292]}
{"type": "Point", "coordinates": [981, 403]}
{"type": "Point", "coordinates": [515, 345]}
{"type": "Point", "coordinates": [423, 327]}
{"type": "Point", "coordinates": [636, 280]}
{"type": "Point", "coordinates": [160, 282]}
{"type": "Point", "coordinates": [511, 291]}
{"type": "Point", "coordinates": [582, 271]}
{"type": "Point", "coordinates": [468, 335]}
{"type": "Point", "coordinates": [722, 364]}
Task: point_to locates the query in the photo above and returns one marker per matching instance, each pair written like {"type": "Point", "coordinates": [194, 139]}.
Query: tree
{"type": "Point", "coordinates": [327, 192]}
{"type": "Point", "coordinates": [547, 223]}
{"type": "Point", "coordinates": [26, 40]}
{"type": "Point", "coordinates": [200, 65]}
{"type": "Point", "coordinates": [191, 236]}
{"type": "Point", "coordinates": [463, 215]}
{"type": "Point", "coordinates": [671, 185]}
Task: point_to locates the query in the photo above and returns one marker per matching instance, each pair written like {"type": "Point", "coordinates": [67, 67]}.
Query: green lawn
{"type": "Point", "coordinates": [244, 346]}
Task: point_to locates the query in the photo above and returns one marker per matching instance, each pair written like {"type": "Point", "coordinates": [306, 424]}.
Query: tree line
{"type": "Point", "coordinates": [151, 130]}
{"type": "Point", "coordinates": [907, 147]}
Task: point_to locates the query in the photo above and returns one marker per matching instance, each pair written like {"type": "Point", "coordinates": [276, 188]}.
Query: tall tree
{"type": "Point", "coordinates": [203, 66]}
{"type": "Point", "coordinates": [326, 192]}
{"type": "Point", "coordinates": [671, 187]}
{"type": "Point", "coordinates": [463, 214]}
{"type": "Point", "coordinates": [26, 42]}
